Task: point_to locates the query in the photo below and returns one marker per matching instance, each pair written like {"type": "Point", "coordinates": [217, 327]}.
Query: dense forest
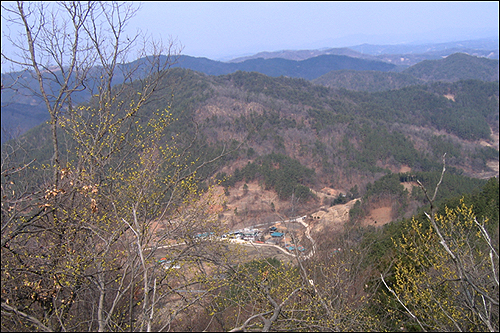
{"type": "Point", "coordinates": [22, 109]}
{"type": "Point", "coordinates": [340, 134]}
{"type": "Point", "coordinates": [452, 68]}
{"type": "Point", "coordinates": [370, 81]}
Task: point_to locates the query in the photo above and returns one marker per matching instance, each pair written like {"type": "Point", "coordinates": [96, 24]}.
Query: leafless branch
{"type": "Point", "coordinates": [31, 319]}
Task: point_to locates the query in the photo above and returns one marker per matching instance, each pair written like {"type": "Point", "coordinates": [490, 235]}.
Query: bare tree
{"type": "Point", "coordinates": [79, 249]}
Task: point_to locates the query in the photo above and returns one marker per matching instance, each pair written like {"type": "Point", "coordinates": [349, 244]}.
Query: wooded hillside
{"type": "Point", "coordinates": [159, 198]}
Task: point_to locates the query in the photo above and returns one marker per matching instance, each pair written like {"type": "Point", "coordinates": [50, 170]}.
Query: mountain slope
{"type": "Point", "coordinates": [18, 118]}
{"type": "Point", "coordinates": [310, 68]}
{"type": "Point", "coordinates": [401, 55]}
{"type": "Point", "coordinates": [486, 44]}
{"type": "Point", "coordinates": [306, 54]}
{"type": "Point", "coordinates": [371, 81]}
{"type": "Point", "coordinates": [348, 73]}
{"type": "Point", "coordinates": [297, 136]}
{"type": "Point", "coordinates": [458, 66]}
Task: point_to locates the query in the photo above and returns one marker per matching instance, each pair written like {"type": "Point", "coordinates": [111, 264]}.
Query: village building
{"type": "Point", "coordinates": [277, 234]}
{"type": "Point", "coordinates": [250, 234]}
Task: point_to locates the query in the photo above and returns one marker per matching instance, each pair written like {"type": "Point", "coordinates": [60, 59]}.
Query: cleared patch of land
{"type": "Point", "coordinates": [450, 97]}
{"type": "Point", "coordinates": [378, 216]}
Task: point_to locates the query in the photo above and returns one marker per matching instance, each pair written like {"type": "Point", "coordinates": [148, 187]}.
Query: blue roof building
{"type": "Point", "coordinates": [205, 234]}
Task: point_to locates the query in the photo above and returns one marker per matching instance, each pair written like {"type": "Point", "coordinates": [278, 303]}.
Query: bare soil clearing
{"type": "Point", "coordinates": [333, 217]}
{"type": "Point", "coordinates": [450, 97]}
{"type": "Point", "coordinates": [378, 216]}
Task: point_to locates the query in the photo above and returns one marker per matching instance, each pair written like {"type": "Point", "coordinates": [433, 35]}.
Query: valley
{"type": "Point", "coordinates": [282, 188]}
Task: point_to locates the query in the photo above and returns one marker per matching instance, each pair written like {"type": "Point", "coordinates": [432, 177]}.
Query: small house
{"type": "Point", "coordinates": [250, 234]}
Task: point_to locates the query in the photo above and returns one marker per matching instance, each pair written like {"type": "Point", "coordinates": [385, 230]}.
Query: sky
{"type": "Point", "coordinates": [226, 30]}
{"type": "Point", "coordinates": [221, 30]}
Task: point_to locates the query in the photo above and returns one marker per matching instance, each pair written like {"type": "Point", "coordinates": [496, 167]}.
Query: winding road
{"type": "Point", "coordinates": [300, 220]}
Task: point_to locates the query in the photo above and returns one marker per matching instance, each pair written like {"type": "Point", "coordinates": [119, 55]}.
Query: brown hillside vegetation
{"type": "Point", "coordinates": [180, 201]}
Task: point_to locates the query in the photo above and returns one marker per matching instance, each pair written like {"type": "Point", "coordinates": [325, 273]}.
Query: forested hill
{"type": "Point", "coordinates": [346, 137]}
{"type": "Point", "coordinates": [22, 109]}
{"type": "Point", "coordinates": [371, 81]}
{"type": "Point", "coordinates": [400, 55]}
{"type": "Point", "coordinates": [297, 136]}
{"type": "Point", "coordinates": [306, 54]}
{"type": "Point", "coordinates": [458, 66]}
{"type": "Point", "coordinates": [310, 68]}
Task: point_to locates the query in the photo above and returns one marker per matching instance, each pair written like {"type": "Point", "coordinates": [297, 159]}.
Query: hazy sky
{"type": "Point", "coordinates": [224, 30]}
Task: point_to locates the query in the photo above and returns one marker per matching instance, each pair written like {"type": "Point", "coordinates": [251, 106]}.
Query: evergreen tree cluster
{"type": "Point", "coordinates": [277, 172]}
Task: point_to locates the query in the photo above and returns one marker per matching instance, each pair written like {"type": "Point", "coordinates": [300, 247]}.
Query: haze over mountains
{"type": "Point", "coordinates": [363, 67]}
{"type": "Point", "coordinates": [457, 66]}
{"type": "Point", "coordinates": [309, 68]}
{"type": "Point", "coordinates": [392, 53]}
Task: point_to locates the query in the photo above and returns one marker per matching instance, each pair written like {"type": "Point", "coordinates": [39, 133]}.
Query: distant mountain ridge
{"type": "Point", "coordinates": [305, 54]}
{"type": "Point", "coordinates": [21, 110]}
{"type": "Point", "coordinates": [486, 44]}
{"type": "Point", "coordinates": [401, 55]}
{"type": "Point", "coordinates": [458, 66]}
{"type": "Point", "coordinates": [309, 68]}
{"type": "Point", "coordinates": [334, 67]}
